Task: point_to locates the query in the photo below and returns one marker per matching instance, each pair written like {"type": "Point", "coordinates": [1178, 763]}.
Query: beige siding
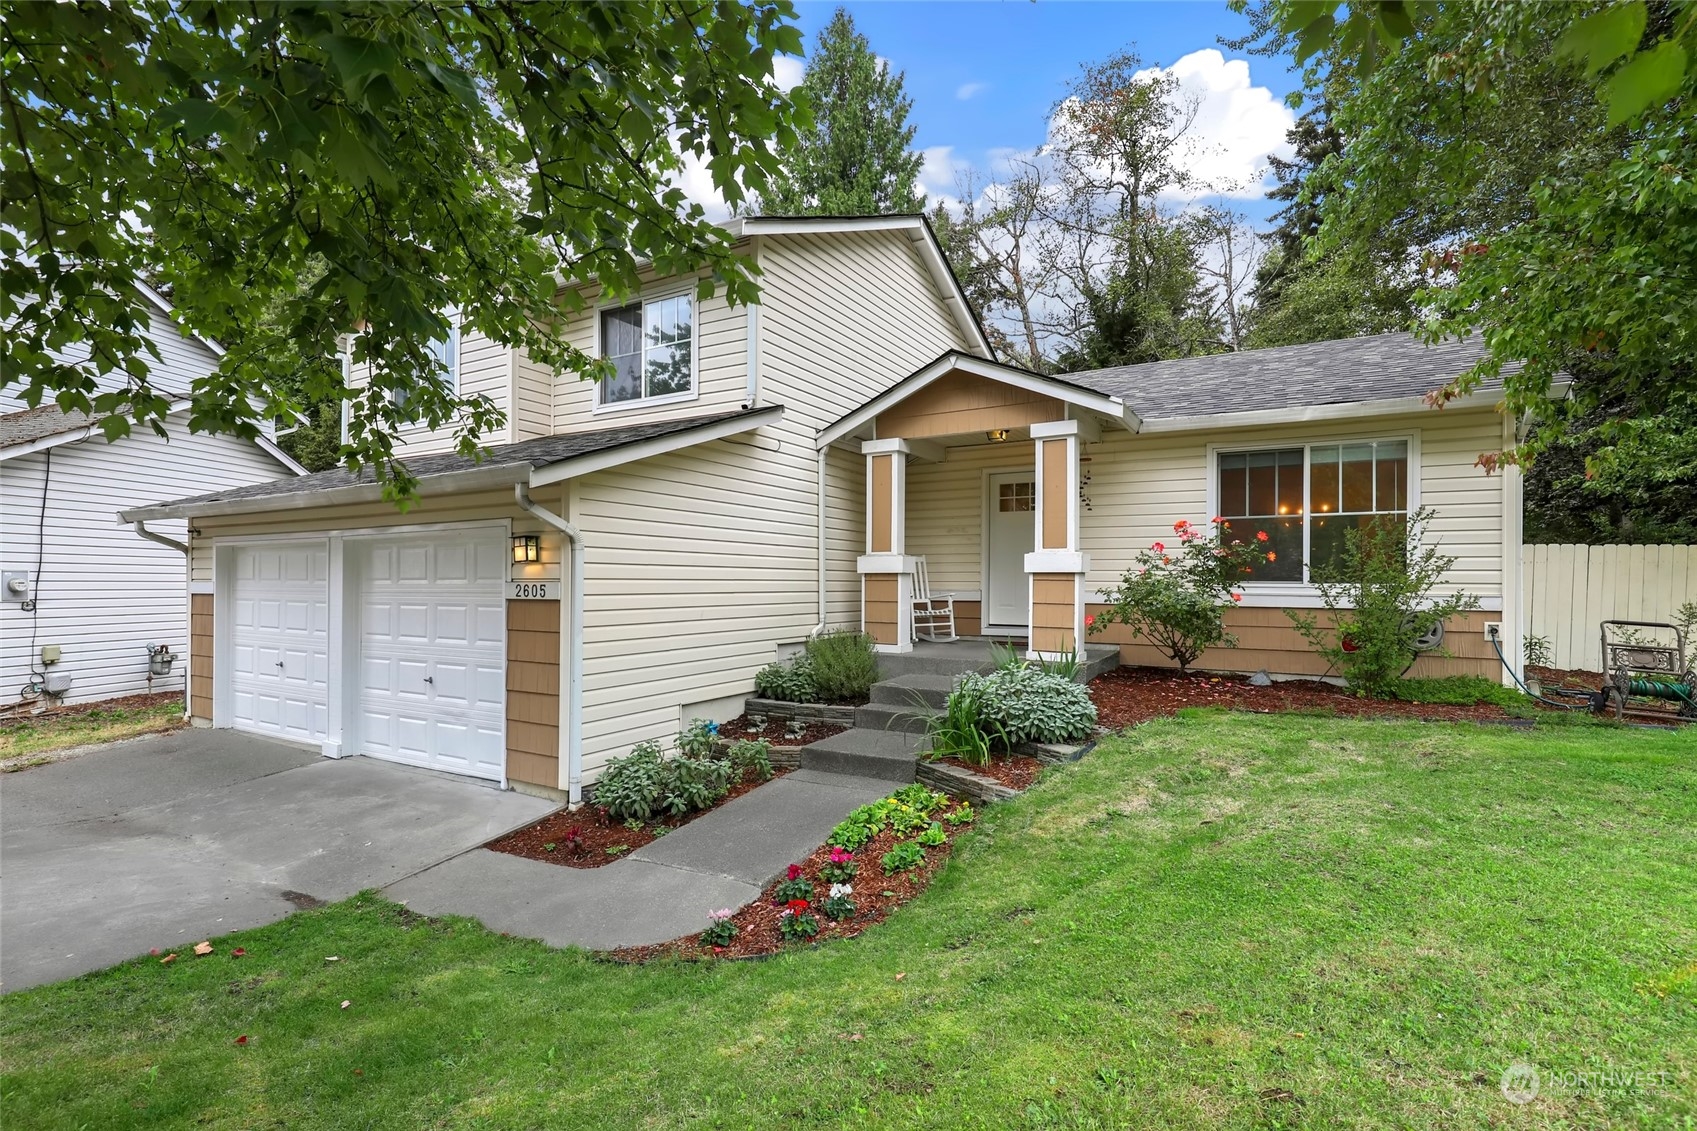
{"type": "Point", "coordinates": [845, 533]}
{"type": "Point", "coordinates": [486, 368]}
{"type": "Point", "coordinates": [721, 367]}
{"type": "Point", "coordinates": [533, 398]}
{"type": "Point", "coordinates": [1140, 485]}
{"type": "Point", "coordinates": [945, 509]}
{"type": "Point", "coordinates": [1571, 590]}
{"type": "Point", "coordinates": [843, 318]}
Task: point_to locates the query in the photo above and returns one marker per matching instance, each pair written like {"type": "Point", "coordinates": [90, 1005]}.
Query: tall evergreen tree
{"type": "Point", "coordinates": [856, 160]}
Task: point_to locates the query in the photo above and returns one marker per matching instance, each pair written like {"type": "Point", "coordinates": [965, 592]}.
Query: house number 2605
{"type": "Point", "coordinates": [533, 590]}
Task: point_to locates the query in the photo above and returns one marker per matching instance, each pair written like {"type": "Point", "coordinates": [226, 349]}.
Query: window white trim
{"type": "Point", "coordinates": [599, 406]}
{"type": "Point", "coordinates": [452, 314]}
{"type": "Point", "coordinates": [1304, 594]}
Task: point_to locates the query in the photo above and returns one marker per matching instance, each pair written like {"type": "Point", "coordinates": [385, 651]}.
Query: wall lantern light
{"type": "Point", "coordinates": [997, 435]}
{"type": "Point", "coordinates": [527, 548]}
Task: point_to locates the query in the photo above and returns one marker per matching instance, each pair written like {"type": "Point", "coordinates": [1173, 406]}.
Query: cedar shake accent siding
{"type": "Point", "coordinates": [533, 692]}
{"type": "Point", "coordinates": [883, 503]}
{"type": "Point", "coordinates": [962, 402]}
{"type": "Point", "coordinates": [200, 656]}
{"type": "Point", "coordinates": [883, 617]}
{"type": "Point", "coordinates": [1052, 612]}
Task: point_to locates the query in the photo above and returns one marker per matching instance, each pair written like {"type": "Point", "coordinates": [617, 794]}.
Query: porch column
{"type": "Point", "coordinates": [886, 572]}
{"type": "Point", "coordinates": [1057, 566]}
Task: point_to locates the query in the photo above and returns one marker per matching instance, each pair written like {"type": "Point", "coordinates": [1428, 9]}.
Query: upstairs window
{"type": "Point", "coordinates": [651, 345]}
{"type": "Point", "coordinates": [1306, 499]}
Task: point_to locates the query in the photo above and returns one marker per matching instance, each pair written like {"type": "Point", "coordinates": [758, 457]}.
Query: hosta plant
{"type": "Point", "coordinates": [1026, 704]}
{"type": "Point", "coordinates": [1176, 597]}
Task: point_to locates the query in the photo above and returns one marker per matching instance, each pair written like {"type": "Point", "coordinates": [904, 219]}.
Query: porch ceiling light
{"type": "Point", "coordinates": [997, 435]}
{"type": "Point", "coordinates": [527, 547]}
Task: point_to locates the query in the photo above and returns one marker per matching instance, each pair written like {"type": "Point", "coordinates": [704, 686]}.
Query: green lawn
{"type": "Point", "coordinates": [1214, 921]}
{"type": "Point", "coordinates": [26, 741]}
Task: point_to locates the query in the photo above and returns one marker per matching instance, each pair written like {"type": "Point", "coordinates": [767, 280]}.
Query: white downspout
{"type": "Point", "coordinates": [188, 608]}
{"type": "Point", "coordinates": [573, 735]}
{"type": "Point", "coordinates": [819, 505]}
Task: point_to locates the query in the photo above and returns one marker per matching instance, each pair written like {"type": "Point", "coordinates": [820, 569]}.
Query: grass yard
{"type": "Point", "coordinates": [1219, 920]}
{"type": "Point", "coordinates": [26, 741]}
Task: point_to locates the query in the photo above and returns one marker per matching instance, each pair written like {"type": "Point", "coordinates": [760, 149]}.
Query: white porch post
{"type": "Point", "coordinates": [1056, 568]}
{"type": "Point", "coordinates": [886, 572]}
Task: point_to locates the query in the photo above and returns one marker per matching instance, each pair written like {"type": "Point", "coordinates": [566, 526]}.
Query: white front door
{"type": "Point", "coordinates": [1010, 533]}
{"type": "Point", "coordinates": [432, 649]}
{"type": "Point", "coordinates": [279, 639]}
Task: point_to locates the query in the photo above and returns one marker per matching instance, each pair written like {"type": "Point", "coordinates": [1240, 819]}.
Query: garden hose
{"type": "Point", "coordinates": [1497, 646]}
{"type": "Point", "coordinates": [1660, 689]}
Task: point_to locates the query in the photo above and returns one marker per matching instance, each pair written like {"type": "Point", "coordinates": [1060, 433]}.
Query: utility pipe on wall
{"type": "Point", "coordinates": [573, 735]}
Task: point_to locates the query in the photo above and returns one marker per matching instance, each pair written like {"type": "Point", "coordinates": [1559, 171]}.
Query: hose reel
{"type": "Point", "coordinates": [1634, 668]}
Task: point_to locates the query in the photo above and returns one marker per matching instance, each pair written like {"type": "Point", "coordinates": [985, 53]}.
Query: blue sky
{"type": "Point", "coordinates": [984, 73]}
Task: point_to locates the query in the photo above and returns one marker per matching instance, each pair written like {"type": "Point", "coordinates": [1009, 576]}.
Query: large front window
{"type": "Point", "coordinates": [1306, 498]}
{"type": "Point", "coordinates": [649, 344]}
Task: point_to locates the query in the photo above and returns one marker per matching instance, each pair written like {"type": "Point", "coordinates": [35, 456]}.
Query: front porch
{"type": "Point", "coordinates": [973, 491]}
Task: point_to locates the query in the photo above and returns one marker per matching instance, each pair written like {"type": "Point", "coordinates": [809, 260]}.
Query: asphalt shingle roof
{"type": "Point", "coordinates": [1350, 370]}
{"type": "Point", "coordinates": [32, 424]}
{"type": "Point", "coordinates": [537, 453]}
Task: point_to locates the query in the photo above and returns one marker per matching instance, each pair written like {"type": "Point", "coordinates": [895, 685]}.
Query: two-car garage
{"type": "Point", "coordinates": [417, 676]}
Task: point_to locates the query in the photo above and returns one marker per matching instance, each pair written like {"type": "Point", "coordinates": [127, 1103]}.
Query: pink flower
{"type": "Point", "coordinates": [1157, 547]}
{"type": "Point", "coordinates": [841, 856]}
{"type": "Point", "coordinates": [1089, 619]}
{"type": "Point", "coordinates": [795, 871]}
{"type": "Point", "coordinates": [1178, 527]}
{"type": "Point", "coordinates": [1216, 520]}
{"type": "Point", "coordinates": [1237, 596]}
{"type": "Point", "coordinates": [1260, 535]}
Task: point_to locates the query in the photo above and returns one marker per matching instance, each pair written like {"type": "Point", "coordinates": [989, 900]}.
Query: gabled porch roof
{"type": "Point", "coordinates": [955, 364]}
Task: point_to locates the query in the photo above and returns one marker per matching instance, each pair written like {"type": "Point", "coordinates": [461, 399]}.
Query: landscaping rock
{"type": "Point", "coordinates": [962, 783]}
{"type": "Point", "coordinates": [807, 712]}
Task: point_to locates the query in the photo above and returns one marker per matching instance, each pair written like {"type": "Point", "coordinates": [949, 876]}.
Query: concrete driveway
{"type": "Point", "coordinates": [164, 841]}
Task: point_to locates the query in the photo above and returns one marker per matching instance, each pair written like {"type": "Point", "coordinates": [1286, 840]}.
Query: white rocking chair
{"type": "Point", "coordinates": [931, 611]}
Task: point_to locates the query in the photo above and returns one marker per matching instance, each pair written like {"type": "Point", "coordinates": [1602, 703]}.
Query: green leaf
{"type": "Point", "coordinates": [1605, 36]}
{"type": "Point", "coordinates": [356, 57]}
{"type": "Point", "coordinates": [1647, 80]}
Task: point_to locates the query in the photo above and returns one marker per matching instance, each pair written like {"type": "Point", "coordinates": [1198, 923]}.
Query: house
{"type": "Point", "coordinates": [628, 555]}
{"type": "Point", "coordinates": [81, 587]}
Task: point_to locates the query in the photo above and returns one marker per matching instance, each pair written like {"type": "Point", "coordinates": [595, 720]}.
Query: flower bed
{"type": "Point", "coordinates": [784, 916]}
{"type": "Point", "coordinates": [1016, 771]}
{"type": "Point", "coordinates": [600, 839]}
{"type": "Point", "coordinates": [1130, 695]}
{"type": "Point", "coordinates": [777, 730]}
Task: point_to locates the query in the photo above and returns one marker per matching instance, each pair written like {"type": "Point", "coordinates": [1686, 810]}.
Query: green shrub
{"type": "Point", "coordinates": [1026, 704]}
{"type": "Point", "coordinates": [688, 784]}
{"type": "Point", "coordinates": [909, 808]}
{"type": "Point", "coordinates": [788, 681]}
{"type": "Point", "coordinates": [1538, 652]}
{"type": "Point", "coordinates": [844, 665]}
{"type": "Point", "coordinates": [630, 788]}
{"type": "Point", "coordinates": [1379, 593]}
{"type": "Point", "coordinates": [961, 731]}
{"type": "Point", "coordinates": [699, 739]}
{"type": "Point", "coordinates": [933, 836]}
{"type": "Point", "coordinates": [1067, 666]}
{"type": "Point", "coordinates": [1176, 597]}
{"type": "Point", "coordinates": [751, 755]}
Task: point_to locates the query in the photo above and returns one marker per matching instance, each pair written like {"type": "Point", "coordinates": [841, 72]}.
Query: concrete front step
{"type": "Point", "coordinates": [896, 665]}
{"type": "Point", "coordinates": [925, 689]}
{"type": "Point", "coordinates": [909, 719]}
{"type": "Point", "coordinates": [884, 754]}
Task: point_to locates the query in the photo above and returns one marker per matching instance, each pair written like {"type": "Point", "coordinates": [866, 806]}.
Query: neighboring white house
{"type": "Point", "coordinates": [628, 555]}
{"type": "Point", "coordinates": [75, 578]}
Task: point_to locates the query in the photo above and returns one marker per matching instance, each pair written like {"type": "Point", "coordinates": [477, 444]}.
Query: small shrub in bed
{"type": "Point", "coordinates": [961, 729]}
{"type": "Point", "coordinates": [904, 857]}
{"type": "Point", "coordinates": [841, 868]}
{"type": "Point", "coordinates": [844, 665]}
{"type": "Point", "coordinates": [630, 787]}
{"type": "Point", "coordinates": [689, 784]}
{"type": "Point", "coordinates": [1030, 705]}
{"type": "Point", "coordinates": [933, 836]}
{"type": "Point", "coordinates": [1379, 592]}
{"type": "Point", "coordinates": [788, 681]}
{"type": "Point", "coordinates": [838, 904]}
{"type": "Point", "coordinates": [751, 756]}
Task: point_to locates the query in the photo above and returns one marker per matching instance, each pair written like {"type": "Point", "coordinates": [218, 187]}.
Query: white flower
{"type": "Point", "coordinates": [840, 890]}
{"type": "Point", "coordinates": [722, 913]}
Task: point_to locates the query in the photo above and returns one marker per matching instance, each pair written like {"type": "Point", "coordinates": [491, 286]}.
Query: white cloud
{"type": "Point", "coordinates": [1237, 124]}
{"type": "Point", "coordinates": [939, 175]}
{"type": "Point", "coordinates": [787, 71]}
{"type": "Point", "coordinates": [968, 90]}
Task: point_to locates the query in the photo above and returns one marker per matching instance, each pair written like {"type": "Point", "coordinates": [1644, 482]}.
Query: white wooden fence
{"type": "Point", "coordinates": [1569, 589]}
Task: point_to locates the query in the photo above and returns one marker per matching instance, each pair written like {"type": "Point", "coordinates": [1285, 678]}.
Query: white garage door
{"type": "Point", "coordinates": [280, 614]}
{"type": "Point", "coordinates": [432, 640]}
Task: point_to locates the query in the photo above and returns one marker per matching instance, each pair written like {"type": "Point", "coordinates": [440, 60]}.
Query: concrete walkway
{"type": "Point", "coordinates": [660, 892]}
{"type": "Point", "coordinates": [164, 841]}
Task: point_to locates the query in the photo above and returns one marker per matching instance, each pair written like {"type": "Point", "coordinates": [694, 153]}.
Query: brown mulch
{"type": "Point", "coordinates": [1130, 695]}
{"type": "Point", "coordinates": [1016, 771]}
{"type": "Point", "coordinates": [876, 896]}
{"type": "Point", "coordinates": [1574, 678]}
{"type": "Point", "coordinates": [776, 731]}
{"type": "Point", "coordinates": [598, 833]}
{"type": "Point", "coordinates": [126, 703]}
